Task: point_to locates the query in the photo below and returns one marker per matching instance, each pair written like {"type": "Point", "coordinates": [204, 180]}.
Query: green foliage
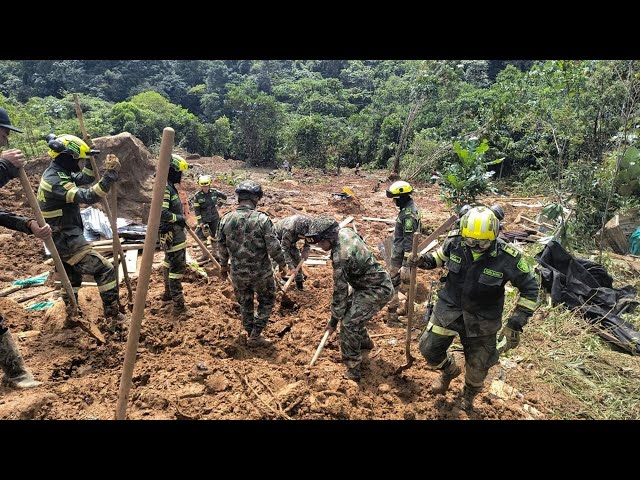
{"type": "Point", "coordinates": [467, 176]}
{"type": "Point", "coordinates": [628, 179]}
{"type": "Point", "coordinates": [219, 136]}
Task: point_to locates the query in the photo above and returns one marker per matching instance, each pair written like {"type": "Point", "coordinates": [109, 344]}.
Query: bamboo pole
{"type": "Point", "coordinates": [202, 246]}
{"type": "Point", "coordinates": [153, 222]}
{"type": "Point", "coordinates": [26, 186]}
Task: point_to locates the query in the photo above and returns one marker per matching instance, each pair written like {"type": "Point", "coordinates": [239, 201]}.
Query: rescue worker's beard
{"type": "Point", "coordinates": [174, 176]}
{"type": "Point", "coordinates": [402, 200]}
{"type": "Point", "coordinates": [67, 162]}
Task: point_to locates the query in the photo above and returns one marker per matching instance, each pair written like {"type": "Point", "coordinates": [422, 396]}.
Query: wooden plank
{"type": "Point", "coordinates": [31, 293]}
{"type": "Point", "coordinates": [390, 221]}
{"type": "Point", "coordinates": [314, 262]}
{"type": "Point", "coordinates": [429, 247]}
{"type": "Point", "coordinates": [83, 284]}
{"type": "Point", "coordinates": [346, 221]}
{"type": "Point", "coordinates": [109, 248]}
{"type": "Point", "coordinates": [131, 259]}
{"type": "Point", "coordinates": [437, 232]}
{"type": "Point", "coordinates": [104, 242]}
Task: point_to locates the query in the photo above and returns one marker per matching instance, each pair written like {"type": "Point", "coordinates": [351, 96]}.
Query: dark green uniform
{"type": "Point", "coordinates": [354, 265]}
{"type": "Point", "coordinates": [407, 223]}
{"type": "Point", "coordinates": [472, 301]}
{"type": "Point", "coordinates": [289, 230]}
{"type": "Point", "coordinates": [204, 206]}
{"type": "Point", "coordinates": [173, 240]}
{"type": "Point", "coordinates": [59, 198]}
{"type": "Point", "coordinates": [247, 238]}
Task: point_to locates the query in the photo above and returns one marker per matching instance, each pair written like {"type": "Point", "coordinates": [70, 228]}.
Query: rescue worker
{"type": "Point", "coordinates": [59, 197]}
{"type": "Point", "coordinates": [173, 239]}
{"type": "Point", "coordinates": [15, 371]}
{"type": "Point", "coordinates": [472, 301]}
{"type": "Point", "coordinates": [361, 287]}
{"type": "Point", "coordinates": [205, 202]}
{"type": "Point", "coordinates": [407, 223]}
{"type": "Point", "coordinates": [289, 230]}
{"type": "Point", "coordinates": [247, 238]}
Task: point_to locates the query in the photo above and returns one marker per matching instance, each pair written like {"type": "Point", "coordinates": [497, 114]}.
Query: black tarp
{"type": "Point", "coordinates": [586, 285]}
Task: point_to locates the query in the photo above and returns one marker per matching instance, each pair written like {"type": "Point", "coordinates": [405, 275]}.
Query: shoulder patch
{"type": "Point", "coordinates": [511, 250]}
{"type": "Point", "coordinates": [63, 175]}
{"type": "Point", "coordinates": [454, 233]}
{"type": "Point", "coordinates": [523, 266]}
{"type": "Point", "coordinates": [408, 225]}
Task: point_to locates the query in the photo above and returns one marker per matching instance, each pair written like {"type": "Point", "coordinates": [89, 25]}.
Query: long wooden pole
{"type": "Point", "coordinates": [320, 348]}
{"type": "Point", "coordinates": [51, 246]}
{"type": "Point", "coordinates": [117, 247]}
{"type": "Point", "coordinates": [153, 222]}
{"type": "Point", "coordinates": [202, 246]}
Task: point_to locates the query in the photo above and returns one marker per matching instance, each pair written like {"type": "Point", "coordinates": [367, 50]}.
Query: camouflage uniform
{"type": "Point", "coordinates": [354, 265]}
{"type": "Point", "coordinates": [289, 230]}
{"type": "Point", "coordinates": [471, 304]}
{"type": "Point", "coordinates": [247, 237]}
{"type": "Point", "coordinates": [407, 223]}
{"type": "Point", "coordinates": [59, 198]}
{"type": "Point", "coordinates": [7, 219]}
{"type": "Point", "coordinates": [173, 240]}
{"type": "Point", "coordinates": [204, 205]}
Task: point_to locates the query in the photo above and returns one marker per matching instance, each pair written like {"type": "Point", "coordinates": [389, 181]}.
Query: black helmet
{"type": "Point", "coordinates": [464, 209]}
{"type": "Point", "coordinates": [498, 211]}
{"type": "Point", "coordinates": [322, 228]}
{"type": "Point", "coordinates": [6, 123]}
{"type": "Point", "coordinates": [247, 189]}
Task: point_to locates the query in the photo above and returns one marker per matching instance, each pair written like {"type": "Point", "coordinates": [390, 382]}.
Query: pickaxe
{"type": "Point", "coordinates": [117, 246]}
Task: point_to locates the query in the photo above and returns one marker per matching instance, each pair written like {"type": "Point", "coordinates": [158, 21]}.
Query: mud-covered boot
{"type": "Point", "coordinates": [257, 340]}
{"type": "Point", "coordinates": [469, 394]}
{"type": "Point", "coordinates": [299, 284]}
{"type": "Point", "coordinates": [367, 343]}
{"type": "Point", "coordinates": [447, 374]}
{"type": "Point", "coordinates": [15, 372]}
{"type": "Point", "coordinates": [392, 319]}
{"type": "Point", "coordinates": [352, 374]}
{"type": "Point", "coordinates": [112, 313]}
{"type": "Point", "coordinates": [179, 308]}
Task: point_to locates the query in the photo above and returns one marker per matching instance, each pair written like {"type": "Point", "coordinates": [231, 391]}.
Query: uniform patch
{"type": "Point", "coordinates": [523, 266]}
{"type": "Point", "coordinates": [408, 225]}
{"type": "Point", "coordinates": [68, 185]}
{"type": "Point", "coordinates": [454, 233]}
{"type": "Point", "coordinates": [63, 175]}
{"type": "Point", "coordinates": [510, 250]}
{"type": "Point", "coordinates": [455, 258]}
{"type": "Point", "coordinates": [492, 273]}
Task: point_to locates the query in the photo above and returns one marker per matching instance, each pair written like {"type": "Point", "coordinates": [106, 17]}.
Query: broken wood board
{"type": "Point", "coordinates": [83, 284]}
{"type": "Point", "coordinates": [346, 221]}
{"type": "Point", "coordinates": [390, 221]}
{"type": "Point", "coordinates": [437, 232]}
{"type": "Point", "coordinates": [428, 247]}
{"type": "Point", "coordinates": [109, 248]}
{"type": "Point", "coordinates": [131, 260]}
{"type": "Point", "coordinates": [27, 334]}
{"type": "Point", "coordinates": [32, 292]}
{"type": "Point", "coordinates": [315, 262]}
{"type": "Point", "coordinates": [104, 242]}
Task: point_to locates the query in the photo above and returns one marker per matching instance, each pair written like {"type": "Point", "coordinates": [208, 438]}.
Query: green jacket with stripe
{"type": "Point", "coordinates": [475, 288]}
{"type": "Point", "coordinates": [172, 219]}
{"type": "Point", "coordinates": [406, 225]}
{"type": "Point", "coordinates": [60, 197]}
{"type": "Point", "coordinates": [204, 205]}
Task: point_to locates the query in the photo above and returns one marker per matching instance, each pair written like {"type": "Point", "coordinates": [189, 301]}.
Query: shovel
{"type": "Point", "coordinates": [410, 300]}
{"type": "Point", "coordinates": [292, 277]}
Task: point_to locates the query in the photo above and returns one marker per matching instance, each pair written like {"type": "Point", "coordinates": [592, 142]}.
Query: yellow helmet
{"type": "Point", "coordinates": [399, 188]}
{"type": "Point", "coordinates": [204, 180]}
{"type": "Point", "coordinates": [178, 163]}
{"type": "Point", "coordinates": [70, 144]}
{"type": "Point", "coordinates": [479, 223]}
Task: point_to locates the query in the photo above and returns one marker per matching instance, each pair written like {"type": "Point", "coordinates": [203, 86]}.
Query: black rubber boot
{"type": "Point", "coordinates": [257, 340]}
{"type": "Point", "coordinates": [352, 374]}
{"type": "Point", "coordinates": [15, 372]}
{"type": "Point", "coordinates": [447, 374]}
{"type": "Point", "coordinates": [469, 394]}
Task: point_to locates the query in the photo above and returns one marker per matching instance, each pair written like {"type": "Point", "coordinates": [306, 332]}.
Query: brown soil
{"type": "Point", "coordinates": [199, 367]}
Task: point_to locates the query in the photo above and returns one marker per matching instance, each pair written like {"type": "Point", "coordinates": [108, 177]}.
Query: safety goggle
{"type": "Point", "coordinates": [474, 243]}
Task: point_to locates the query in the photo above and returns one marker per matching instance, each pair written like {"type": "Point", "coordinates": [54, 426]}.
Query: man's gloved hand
{"type": "Point", "coordinates": [405, 275]}
{"type": "Point", "coordinates": [332, 325]}
{"type": "Point", "coordinates": [510, 337]}
{"type": "Point", "coordinates": [428, 262]}
{"type": "Point", "coordinates": [181, 220]}
{"type": "Point", "coordinates": [411, 262]}
{"type": "Point", "coordinates": [38, 231]}
{"type": "Point", "coordinates": [112, 163]}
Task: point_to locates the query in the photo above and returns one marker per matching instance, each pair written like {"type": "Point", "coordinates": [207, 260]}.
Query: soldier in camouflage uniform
{"type": "Point", "coordinates": [247, 237]}
{"type": "Point", "coordinates": [407, 223]}
{"type": "Point", "coordinates": [15, 371]}
{"type": "Point", "coordinates": [472, 301]}
{"type": "Point", "coordinates": [289, 230]}
{"type": "Point", "coordinates": [204, 204]}
{"type": "Point", "coordinates": [361, 287]}
{"type": "Point", "coordinates": [59, 198]}
{"type": "Point", "coordinates": [173, 239]}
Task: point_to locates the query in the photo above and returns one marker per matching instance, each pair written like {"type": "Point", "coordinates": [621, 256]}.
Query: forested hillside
{"type": "Point", "coordinates": [561, 127]}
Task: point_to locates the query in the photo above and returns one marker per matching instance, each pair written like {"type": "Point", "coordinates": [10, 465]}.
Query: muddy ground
{"type": "Point", "coordinates": [199, 367]}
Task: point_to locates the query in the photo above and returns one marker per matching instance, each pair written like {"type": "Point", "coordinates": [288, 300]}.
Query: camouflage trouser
{"type": "Point", "coordinates": [102, 271]}
{"type": "Point", "coordinates": [265, 289]}
{"type": "Point", "coordinates": [363, 304]}
{"type": "Point", "coordinates": [480, 353]}
{"type": "Point", "coordinates": [174, 266]}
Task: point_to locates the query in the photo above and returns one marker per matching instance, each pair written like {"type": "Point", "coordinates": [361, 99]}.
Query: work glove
{"type": "Point", "coordinates": [181, 221]}
{"type": "Point", "coordinates": [427, 262]}
{"type": "Point", "coordinates": [112, 163]}
{"type": "Point", "coordinates": [405, 275]}
{"type": "Point", "coordinates": [508, 339]}
{"type": "Point", "coordinates": [332, 325]}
